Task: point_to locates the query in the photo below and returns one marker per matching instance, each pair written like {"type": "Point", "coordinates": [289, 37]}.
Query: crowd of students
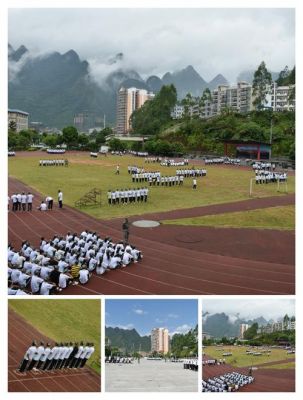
{"type": "Point", "coordinates": [145, 176]}
{"type": "Point", "coordinates": [214, 361]}
{"type": "Point", "coordinates": [127, 196]}
{"type": "Point", "coordinates": [58, 356]}
{"type": "Point", "coordinates": [51, 163]}
{"type": "Point", "coordinates": [260, 165]}
{"type": "Point", "coordinates": [229, 382]}
{"type": "Point", "coordinates": [94, 155]}
{"type": "Point", "coordinates": [64, 261]}
{"type": "Point", "coordinates": [152, 160]}
{"type": "Point", "coordinates": [11, 154]}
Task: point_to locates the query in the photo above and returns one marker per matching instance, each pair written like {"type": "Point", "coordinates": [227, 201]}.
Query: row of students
{"type": "Point", "coordinates": [191, 172]}
{"type": "Point", "coordinates": [56, 357]}
{"type": "Point", "coordinates": [173, 163]}
{"type": "Point", "coordinates": [21, 201]}
{"type": "Point", "coordinates": [55, 151]}
{"type": "Point", "coordinates": [264, 165]}
{"type": "Point", "coordinates": [51, 163]}
{"type": "Point", "coordinates": [152, 160]}
{"type": "Point", "coordinates": [145, 176]}
{"type": "Point", "coordinates": [11, 154]}
{"type": "Point", "coordinates": [115, 197]}
{"type": "Point", "coordinates": [271, 177]}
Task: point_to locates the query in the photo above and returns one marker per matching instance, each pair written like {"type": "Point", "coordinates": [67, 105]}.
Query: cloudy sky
{"type": "Point", "coordinates": [178, 316]}
{"type": "Point", "coordinates": [155, 41]}
{"type": "Point", "coordinates": [251, 308]}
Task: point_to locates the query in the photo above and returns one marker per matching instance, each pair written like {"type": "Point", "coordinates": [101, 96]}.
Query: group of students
{"type": "Point", "coordinates": [55, 151]}
{"type": "Point", "coordinates": [56, 357]}
{"type": "Point", "coordinates": [264, 176]}
{"type": "Point", "coordinates": [65, 261]}
{"type": "Point", "coordinates": [222, 160]}
{"type": "Point", "coordinates": [11, 154]}
{"type": "Point", "coordinates": [214, 361]}
{"type": "Point", "coordinates": [21, 201]}
{"type": "Point", "coordinates": [145, 176]}
{"type": "Point", "coordinates": [173, 163]}
{"type": "Point", "coordinates": [187, 173]}
{"type": "Point", "coordinates": [52, 163]}
{"type": "Point", "coordinates": [190, 363]}
{"type": "Point", "coordinates": [260, 165]}
{"type": "Point", "coordinates": [152, 160]}
{"type": "Point", "coordinates": [118, 360]}
{"type": "Point", "coordinates": [127, 196]}
{"type": "Point", "coordinates": [229, 382]}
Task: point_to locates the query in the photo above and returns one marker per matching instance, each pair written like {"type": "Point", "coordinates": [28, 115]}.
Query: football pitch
{"type": "Point", "coordinates": [221, 185]}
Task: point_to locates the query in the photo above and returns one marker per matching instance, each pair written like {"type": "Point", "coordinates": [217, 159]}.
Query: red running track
{"type": "Point", "coordinates": [177, 260]}
{"type": "Point", "coordinates": [20, 336]}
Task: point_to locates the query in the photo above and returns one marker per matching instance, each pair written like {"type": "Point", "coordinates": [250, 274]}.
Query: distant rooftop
{"type": "Point", "coordinates": [17, 111]}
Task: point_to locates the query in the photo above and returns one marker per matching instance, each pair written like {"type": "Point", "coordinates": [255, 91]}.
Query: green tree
{"type": "Point", "coordinates": [12, 126]}
{"type": "Point", "coordinates": [262, 80]}
{"type": "Point", "coordinates": [251, 332]}
{"type": "Point", "coordinates": [116, 145]}
{"type": "Point", "coordinates": [70, 136]}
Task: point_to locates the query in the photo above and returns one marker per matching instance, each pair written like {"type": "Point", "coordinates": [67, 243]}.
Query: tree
{"type": "Point", "coordinates": [70, 136]}
{"type": "Point", "coordinates": [261, 82]}
{"type": "Point", "coordinates": [12, 126]}
{"type": "Point", "coordinates": [251, 332]}
{"type": "Point", "coordinates": [116, 145]}
{"type": "Point", "coordinates": [283, 75]}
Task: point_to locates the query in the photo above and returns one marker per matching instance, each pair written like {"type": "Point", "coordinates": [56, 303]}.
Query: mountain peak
{"type": "Point", "coordinates": [71, 55]}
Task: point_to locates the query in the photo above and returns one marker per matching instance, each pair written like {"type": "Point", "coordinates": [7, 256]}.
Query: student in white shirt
{"type": "Point", "coordinates": [89, 351]}
{"type": "Point", "coordinates": [36, 357]}
{"type": "Point", "coordinates": [60, 198]}
{"type": "Point", "coordinates": [45, 288]}
{"type": "Point", "coordinates": [44, 356]}
{"type": "Point", "coordinates": [84, 276]}
{"type": "Point", "coordinates": [36, 282]}
{"type": "Point", "coordinates": [28, 356]}
{"type": "Point", "coordinates": [43, 206]}
{"type": "Point", "coordinates": [23, 201]}
{"type": "Point", "coordinates": [30, 197]}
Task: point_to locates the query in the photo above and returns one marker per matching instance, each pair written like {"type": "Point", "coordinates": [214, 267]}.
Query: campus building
{"type": "Point", "coordinates": [129, 100]}
{"type": "Point", "coordinates": [18, 118]}
{"type": "Point", "coordinates": [238, 98]}
{"type": "Point", "coordinates": [160, 340]}
{"type": "Point", "coordinates": [278, 326]}
{"type": "Point", "coordinates": [281, 98]}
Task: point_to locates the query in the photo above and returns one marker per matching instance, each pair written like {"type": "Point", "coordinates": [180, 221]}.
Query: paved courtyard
{"type": "Point", "coordinates": [150, 376]}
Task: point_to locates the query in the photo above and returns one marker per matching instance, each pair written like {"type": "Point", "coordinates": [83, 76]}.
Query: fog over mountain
{"type": "Point", "coordinates": [157, 41]}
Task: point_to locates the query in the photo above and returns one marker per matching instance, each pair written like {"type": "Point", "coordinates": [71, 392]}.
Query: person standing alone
{"type": "Point", "coordinates": [125, 229]}
{"type": "Point", "coordinates": [60, 198]}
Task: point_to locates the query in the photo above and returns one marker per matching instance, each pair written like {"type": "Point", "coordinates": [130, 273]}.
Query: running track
{"type": "Point", "coordinates": [177, 260]}
{"type": "Point", "coordinates": [20, 336]}
{"type": "Point", "coordinates": [266, 379]}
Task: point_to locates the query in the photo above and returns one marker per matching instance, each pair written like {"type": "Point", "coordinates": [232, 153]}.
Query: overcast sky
{"type": "Point", "coordinates": [155, 41]}
{"type": "Point", "coordinates": [251, 308]}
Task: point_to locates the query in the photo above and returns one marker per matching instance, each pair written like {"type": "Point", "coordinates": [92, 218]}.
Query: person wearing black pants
{"type": "Point", "coordinates": [30, 352]}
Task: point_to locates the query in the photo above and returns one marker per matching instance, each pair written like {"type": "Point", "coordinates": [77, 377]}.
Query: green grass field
{"type": "Point", "coordinates": [220, 186]}
{"type": "Point", "coordinates": [65, 320]}
{"type": "Point", "coordinates": [290, 365]}
{"type": "Point", "coordinates": [240, 359]}
{"type": "Point", "coordinates": [265, 218]}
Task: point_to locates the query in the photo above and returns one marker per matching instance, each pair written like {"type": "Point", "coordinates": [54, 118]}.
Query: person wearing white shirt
{"type": "Point", "coordinates": [44, 356]}
{"type": "Point", "coordinates": [127, 258]}
{"type": "Point", "coordinates": [45, 288]}
{"type": "Point", "coordinates": [60, 198]}
{"type": "Point", "coordinates": [36, 357]}
{"type": "Point", "coordinates": [23, 201]}
{"type": "Point", "coordinates": [55, 356]}
{"type": "Point", "coordinates": [64, 280]}
{"type": "Point", "coordinates": [19, 201]}
{"type": "Point", "coordinates": [14, 201]}
{"type": "Point", "coordinates": [23, 280]}
{"type": "Point", "coordinates": [90, 350]}
{"type": "Point", "coordinates": [43, 206]}
{"type": "Point", "coordinates": [49, 201]}
{"type": "Point", "coordinates": [79, 355]}
{"type": "Point", "coordinates": [84, 276]}
{"type": "Point", "coordinates": [15, 275]}
{"type": "Point", "coordinates": [29, 201]}
{"type": "Point", "coordinates": [36, 282]}
{"type": "Point", "coordinates": [68, 355]}
{"type": "Point", "coordinates": [28, 356]}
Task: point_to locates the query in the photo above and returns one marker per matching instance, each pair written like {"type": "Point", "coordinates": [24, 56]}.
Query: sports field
{"type": "Point", "coordinates": [64, 320]}
{"type": "Point", "coordinates": [266, 218]}
{"type": "Point", "coordinates": [221, 185]}
{"type": "Point", "coordinates": [239, 357]}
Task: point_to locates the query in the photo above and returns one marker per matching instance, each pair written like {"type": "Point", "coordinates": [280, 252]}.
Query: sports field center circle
{"type": "Point", "coordinates": [144, 223]}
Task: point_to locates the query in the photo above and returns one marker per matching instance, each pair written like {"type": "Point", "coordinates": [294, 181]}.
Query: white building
{"type": "Point", "coordinates": [160, 340]}
{"type": "Point", "coordinates": [19, 118]}
{"type": "Point", "coordinates": [278, 98]}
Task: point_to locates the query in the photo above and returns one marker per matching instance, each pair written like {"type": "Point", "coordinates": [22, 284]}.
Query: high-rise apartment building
{"type": "Point", "coordinates": [128, 101]}
{"type": "Point", "coordinates": [19, 119]}
{"type": "Point", "coordinates": [160, 340]}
